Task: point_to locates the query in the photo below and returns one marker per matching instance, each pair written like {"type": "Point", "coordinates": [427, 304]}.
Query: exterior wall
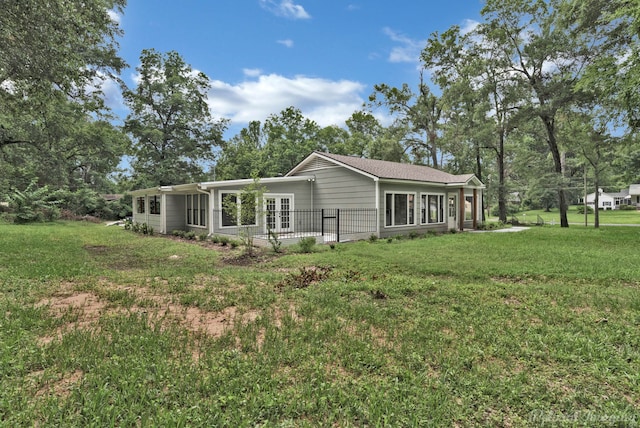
{"type": "Point", "coordinates": [175, 214]}
{"type": "Point", "coordinates": [302, 200]}
{"type": "Point", "coordinates": [153, 220]}
{"type": "Point", "coordinates": [339, 187]}
{"type": "Point", "coordinates": [417, 189]}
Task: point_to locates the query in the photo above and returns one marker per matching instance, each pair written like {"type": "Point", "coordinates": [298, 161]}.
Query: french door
{"type": "Point", "coordinates": [278, 213]}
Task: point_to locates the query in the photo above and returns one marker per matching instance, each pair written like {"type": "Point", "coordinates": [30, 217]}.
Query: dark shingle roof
{"type": "Point", "coordinates": [398, 171]}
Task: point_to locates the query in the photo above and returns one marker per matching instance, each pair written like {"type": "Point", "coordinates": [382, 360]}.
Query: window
{"type": "Point", "coordinates": [399, 209]}
{"type": "Point", "coordinates": [245, 209]}
{"type": "Point", "coordinates": [154, 204]}
{"type": "Point", "coordinates": [197, 207]}
{"type": "Point", "coordinates": [431, 209]}
{"type": "Point", "coordinates": [140, 204]}
{"type": "Point", "coordinates": [468, 207]}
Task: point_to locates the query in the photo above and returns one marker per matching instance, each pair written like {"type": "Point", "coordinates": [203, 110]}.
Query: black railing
{"type": "Point", "coordinates": [333, 224]}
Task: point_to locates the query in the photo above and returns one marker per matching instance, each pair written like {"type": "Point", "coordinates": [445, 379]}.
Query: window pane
{"type": "Point", "coordinates": [229, 218]}
{"type": "Point", "coordinates": [468, 207]}
{"type": "Point", "coordinates": [433, 209]}
{"type": "Point", "coordinates": [203, 209]}
{"type": "Point", "coordinates": [411, 208]}
{"type": "Point", "coordinates": [423, 209]}
{"type": "Point", "coordinates": [189, 207]}
{"type": "Point", "coordinates": [399, 209]}
{"type": "Point", "coordinates": [388, 208]}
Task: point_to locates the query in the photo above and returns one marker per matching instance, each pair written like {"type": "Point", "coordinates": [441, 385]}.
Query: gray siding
{"type": "Point", "coordinates": [417, 189]}
{"type": "Point", "coordinates": [175, 213]}
{"type": "Point", "coordinates": [338, 187]}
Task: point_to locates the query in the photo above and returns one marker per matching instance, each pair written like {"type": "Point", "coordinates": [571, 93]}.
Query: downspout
{"type": "Point", "coordinates": [461, 209]}
{"type": "Point", "coordinates": [209, 210]}
{"type": "Point", "coordinates": [475, 208]}
{"type": "Point", "coordinates": [377, 181]}
{"type": "Point", "coordinates": [163, 213]}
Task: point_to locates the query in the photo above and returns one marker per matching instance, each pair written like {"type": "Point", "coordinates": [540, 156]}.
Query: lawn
{"type": "Point", "coordinates": [102, 327]}
{"type": "Point", "coordinates": [574, 217]}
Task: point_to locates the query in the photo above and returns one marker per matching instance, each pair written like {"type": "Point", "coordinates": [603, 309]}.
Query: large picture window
{"type": "Point", "coordinates": [197, 208]}
{"type": "Point", "coordinates": [431, 209]}
{"type": "Point", "coordinates": [399, 209]}
{"type": "Point", "coordinates": [238, 209]}
{"type": "Point", "coordinates": [154, 204]}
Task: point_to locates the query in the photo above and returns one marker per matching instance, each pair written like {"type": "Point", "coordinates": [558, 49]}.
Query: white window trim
{"type": "Point", "coordinates": [239, 202]}
{"type": "Point", "coordinates": [444, 206]}
{"type": "Point", "coordinates": [186, 211]}
{"type": "Point", "coordinates": [415, 223]}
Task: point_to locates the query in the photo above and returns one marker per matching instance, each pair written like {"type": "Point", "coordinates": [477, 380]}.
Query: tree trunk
{"type": "Point", "coordinates": [557, 162]}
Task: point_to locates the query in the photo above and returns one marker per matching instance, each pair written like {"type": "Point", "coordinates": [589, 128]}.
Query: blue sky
{"type": "Point", "coordinates": [262, 56]}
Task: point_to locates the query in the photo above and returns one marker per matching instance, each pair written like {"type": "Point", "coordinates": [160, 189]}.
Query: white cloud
{"type": "Point", "coordinates": [252, 72]}
{"type": "Point", "coordinates": [328, 102]}
{"type": "Point", "coordinates": [114, 16]}
{"type": "Point", "coordinates": [286, 42]}
{"type": "Point", "coordinates": [285, 8]}
{"type": "Point", "coordinates": [468, 26]}
{"type": "Point", "coordinates": [408, 50]}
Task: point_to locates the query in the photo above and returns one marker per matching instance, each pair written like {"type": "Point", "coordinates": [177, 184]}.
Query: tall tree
{"type": "Point", "coordinates": [547, 55]}
{"type": "Point", "coordinates": [173, 130]}
{"type": "Point", "coordinates": [290, 137]}
{"type": "Point", "coordinates": [54, 55]}
{"type": "Point", "coordinates": [241, 156]}
{"type": "Point", "coordinates": [419, 114]}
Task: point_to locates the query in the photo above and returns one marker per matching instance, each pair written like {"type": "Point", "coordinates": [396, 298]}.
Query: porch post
{"type": "Point", "coordinates": [461, 209]}
{"type": "Point", "coordinates": [474, 209]}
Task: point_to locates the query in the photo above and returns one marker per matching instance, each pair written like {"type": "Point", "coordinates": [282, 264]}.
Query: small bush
{"type": "Point", "coordinates": [389, 240]}
{"type": "Point", "coordinates": [307, 244]}
{"type": "Point", "coordinates": [178, 233]}
{"type": "Point", "coordinates": [628, 207]}
{"type": "Point", "coordinates": [234, 243]}
{"type": "Point", "coordinates": [580, 209]}
{"type": "Point", "coordinates": [215, 239]}
{"type": "Point", "coordinates": [191, 235]}
{"type": "Point", "coordinates": [203, 237]}
{"type": "Point", "coordinates": [413, 235]}
{"type": "Point", "coordinates": [373, 238]}
{"type": "Point", "coordinates": [224, 240]}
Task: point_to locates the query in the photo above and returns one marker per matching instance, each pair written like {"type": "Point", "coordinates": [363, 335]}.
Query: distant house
{"type": "Point", "coordinates": [332, 197]}
{"type": "Point", "coordinates": [613, 201]}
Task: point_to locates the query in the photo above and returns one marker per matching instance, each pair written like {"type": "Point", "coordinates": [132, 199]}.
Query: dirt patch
{"type": "Point", "coordinates": [62, 387]}
{"type": "Point", "coordinates": [87, 309]}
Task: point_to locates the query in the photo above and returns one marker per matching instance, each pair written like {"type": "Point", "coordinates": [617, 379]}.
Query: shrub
{"type": "Point", "coordinates": [33, 204]}
{"type": "Point", "coordinates": [215, 239]}
{"type": "Point", "coordinates": [178, 233]}
{"type": "Point", "coordinates": [628, 207]}
{"type": "Point", "coordinates": [203, 236]}
{"type": "Point", "coordinates": [224, 240]}
{"type": "Point", "coordinates": [580, 209]}
{"type": "Point", "coordinates": [234, 243]}
{"type": "Point", "coordinates": [307, 244]}
{"type": "Point", "coordinates": [373, 238]}
{"type": "Point", "coordinates": [191, 235]}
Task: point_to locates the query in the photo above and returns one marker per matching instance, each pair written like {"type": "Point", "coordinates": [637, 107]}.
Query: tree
{"type": "Point", "coordinates": [418, 114]}
{"type": "Point", "coordinates": [172, 128]}
{"type": "Point", "coordinates": [547, 54]}
{"type": "Point", "coordinates": [53, 48]}
{"type": "Point", "coordinates": [241, 156]}
{"type": "Point", "coordinates": [290, 137]}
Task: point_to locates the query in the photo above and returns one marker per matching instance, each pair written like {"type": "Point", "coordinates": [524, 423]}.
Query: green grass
{"type": "Point", "coordinates": [536, 328]}
{"type": "Point", "coordinates": [606, 217]}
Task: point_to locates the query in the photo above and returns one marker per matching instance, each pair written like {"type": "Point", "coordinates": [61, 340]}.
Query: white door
{"type": "Point", "coordinates": [278, 213]}
{"type": "Point", "coordinates": [452, 211]}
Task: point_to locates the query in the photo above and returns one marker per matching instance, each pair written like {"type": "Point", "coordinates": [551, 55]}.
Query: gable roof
{"type": "Point", "coordinates": [391, 170]}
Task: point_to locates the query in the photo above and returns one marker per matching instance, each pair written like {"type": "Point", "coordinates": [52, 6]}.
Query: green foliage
{"type": "Point", "coordinates": [170, 121]}
{"type": "Point", "coordinates": [373, 238]}
{"type": "Point", "coordinates": [580, 209]}
{"type": "Point", "coordinates": [34, 204]}
{"type": "Point", "coordinates": [307, 244]}
{"type": "Point", "coordinates": [274, 241]}
{"type": "Point", "coordinates": [203, 237]}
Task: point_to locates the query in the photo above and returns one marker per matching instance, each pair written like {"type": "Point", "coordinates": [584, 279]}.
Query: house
{"type": "Point", "coordinates": [332, 197]}
{"type": "Point", "coordinates": [613, 201]}
{"type": "Point", "coordinates": [634, 195]}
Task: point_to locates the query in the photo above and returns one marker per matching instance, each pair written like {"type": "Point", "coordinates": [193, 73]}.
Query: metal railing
{"type": "Point", "coordinates": [333, 224]}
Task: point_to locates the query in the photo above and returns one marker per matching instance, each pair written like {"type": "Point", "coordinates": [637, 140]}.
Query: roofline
{"type": "Point", "coordinates": [247, 181]}
{"type": "Point", "coordinates": [435, 183]}
{"type": "Point", "coordinates": [320, 155]}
